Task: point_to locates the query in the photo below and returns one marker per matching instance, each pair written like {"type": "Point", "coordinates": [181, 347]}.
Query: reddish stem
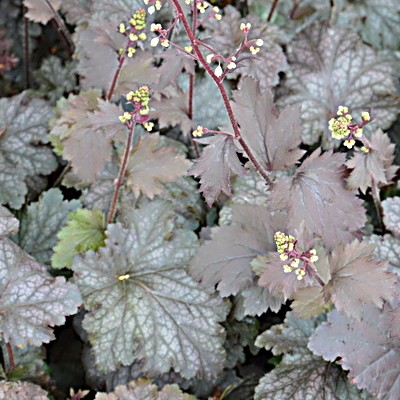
{"type": "Point", "coordinates": [27, 74]}
{"type": "Point", "coordinates": [115, 77]}
{"type": "Point", "coordinates": [10, 356]}
{"type": "Point", "coordinates": [190, 112]}
{"type": "Point", "coordinates": [221, 89]}
{"type": "Point", "coordinates": [272, 10]}
{"type": "Point", "coordinates": [121, 175]}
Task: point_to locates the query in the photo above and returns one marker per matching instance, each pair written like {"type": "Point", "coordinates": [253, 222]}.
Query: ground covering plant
{"type": "Point", "coordinates": [199, 200]}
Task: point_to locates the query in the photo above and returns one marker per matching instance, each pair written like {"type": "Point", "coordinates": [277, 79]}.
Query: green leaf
{"type": "Point", "coordinates": [84, 231]}
{"type": "Point", "coordinates": [23, 131]}
{"type": "Point", "coordinates": [143, 305]}
{"type": "Point", "coordinates": [142, 389]}
{"type": "Point", "coordinates": [331, 67]}
{"type": "Point", "coordinates": [31, 300]}
{"type": "Point", "coordinates": [40, 223]}
{"type": "Point", "coordinates": [21, 391]}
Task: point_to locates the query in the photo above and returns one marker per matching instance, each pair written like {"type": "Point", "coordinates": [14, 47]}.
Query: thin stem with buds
{"type": "Point", "coordinates": [110, 92]}
{"type": "Point", "coordinates": [194, 42]}
{"type": "Point", "coordinates": [121, 174]}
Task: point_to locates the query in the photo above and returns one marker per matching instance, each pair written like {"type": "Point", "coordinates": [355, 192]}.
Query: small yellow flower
{"type": "Point", "coordinates": [245, 27]}
{"type": "Point", "coordinates": [218, 71]}
{"type": "Point", "coordinates": [202, 7]}
{"type": "Point", "coordinates": [209, 58]}
{"type": "Point", "coordinates": [122, 28]}
{"type": "Point", "coordinates": [158, 5]}
{"type": "Point", "coordinates": [123, 277]}
{"type": "Point", "coordinates": [342, 110]}
{"type": "Point", "coordinates": [151, 10]}
{"type": "Point", "coordinates": [231, 65]}
{"type": "Point", "coordinates": [259, 42]}
{"type": "Point", "coordinates": [283, 257]}
{"type": "Point", "coordinates": [254, 50]}
{"type": "Point", "coordinates": [125, 117]}
{"type": "Point", "coordinates": [155, 27]}
{"type": "Point", "coordinates": [154, 42]}
{"type": "Point", "coordinates": [165, 43]}
{"type": "Point", "coordinates": [148, 126]}
{"type": "Point", "coordinates": [349, 143]}
{"type": "Point", "coordinates": [365, 116]}
{"type": "Point", "coordinates": [358, 133]}
{"type": "Point", "coordinates": [188, 49]}
{"type": "Point", "coordinates": [198, 132]}
{"type": "Point", "coordinates": [364, 149]}
{"type": "Point", "coordinates": [142, 36]}
{"type": "Point", "coordinates": [287, 269]}
{"type": "Point", "coordinates": [133, 37]}
{"type": "Point", "coordinates": [131, 51]}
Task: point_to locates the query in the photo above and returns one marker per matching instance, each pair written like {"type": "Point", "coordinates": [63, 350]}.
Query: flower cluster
{"type": "Point", "coordinates": [153, 5]}
{"type": "Point", "coordinates": [137, 108]}
{"type": "Point", "coordinates": [134, 31]}
{"type": "Point", "coordinates": [254, 44]}
{"type": "Point", "coordinates": [342, 127]}
{"type": "Point", "coordinates": [297, 262]}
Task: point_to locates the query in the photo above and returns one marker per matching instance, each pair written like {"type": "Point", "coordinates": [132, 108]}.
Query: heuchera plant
{"type": "Point", "coordinates": [203, 199]}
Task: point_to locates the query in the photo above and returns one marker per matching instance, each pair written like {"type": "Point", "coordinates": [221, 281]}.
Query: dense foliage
{"type": "Point", "coordinates": [199, 200]}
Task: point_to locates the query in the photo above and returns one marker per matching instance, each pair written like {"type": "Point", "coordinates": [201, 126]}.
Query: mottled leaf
{"type": "Point", "coordinates": [391, 214]}
{"type": "Point", "coordinates": [143, 390]}
{"type": "Point", "coordinates": [272, 137]}
{"type": "Point", "coordinates": [218, 161]}
{"type": "Point", "coordinates": [40, 11]}
{"type": "Point", "coordinates": [84, 231]}
{"type": "Point", "coordinates": [225, 259]}
{"type": "Point", "coordinates": [357, 279]}
{"type": "Point", "coordinates": [21, 391]}
{"type": "Point", "coordinates": [32, 301]}
{"type": "Point", "coordinates": [387, 248]}
{"type": "Point", "coordinates": [227, 37]}
{"type": "Point", "coordinates": [332, 67]}
{"type": "Point", "coordinates": [40, 223]}
{"type": "Point", "coordinates": [23, 130]}
{"type": "Point", "coordinates": [76, 11]}
{"type": "Point", "coordinates": [365, 348]}
{"type": "Point", "coordinates": [116, 9]}
{"type": "Point", "coordinates": [142, 304]}
{"type": "Point", "coordinates": [151, 164]}
{"type": "Point", "coordinates": [316, 194]}
{"type": "Point", "coordinates": [257, 300]}
{"type": "Point", "coordinates": [8, 223]}
{"type": "Point", "coordinates": [374, 166]}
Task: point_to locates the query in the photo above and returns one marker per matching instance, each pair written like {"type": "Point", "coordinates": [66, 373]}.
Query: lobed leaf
{"type": "Point", "coordinates": [225, 259]}
{"type": "Point", "coordinates": [40, 223]}
{"type": "Point", "coordinates": [272, 137]}
{"type": "Point", "coordinates": [21, 391]}
{"type": "Point", "coordinates": [8, 223]}
{"type": "Point", "coordinates": [357, 279]}
{"type": "Point", "coordinates": [23, 131]}
{"type": "Point", "coordinates": [151, 165]}
{"type": "Point", "coordinates": [32, 301]}
{"type": "Point", "coordinates": [332, 67]}
{"type": "Point", "coordinates": [391, 214]}
{"type": "Point", "coordinates": [365, 348]}
{"type": "Point", "coordinates": [316, 194]}
{"type": "Point", "coordinates": [218, 161]}
{"type": "Point", "coordinates": [84, 231]}
{"type": "Point", "coordinates": [40, 11]}
{"type": "Point", "coordinates": [374, 166]}
{"type": "Point", "coordinates": [142, 304]}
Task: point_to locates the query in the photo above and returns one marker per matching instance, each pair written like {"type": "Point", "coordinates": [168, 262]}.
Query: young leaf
{"type": "Point", "coordinates": [365, 347]}
{"type": "Point", "coordinates": [357, 279]}
{"type": "Point", "coordinates": [8, 223]}
{"type": "Point", "coordinates": [142, 304]}
{"type": "Point", "coordinates": [142, 389]}
{"type": "Point", "coordinates": [39, 10]}
{"type": "Point", "coordinates": [273, 137]}
{"type": "Point", "coordinates": [41, 222]}
{"type": "Point", "coordinates": [391, 214]}
{"type": "Point", "coordinates": [215, 166]}
{"type": "Point", "coordinates": [21, 391]}
{"type": "Point", "coordinates": [32, 301]}
{"type": "Point", "coordinates": [84, 231]}
{"type": "Point", "coordinates": [225, 259]}
{"type": "Point", "coordinates": [332, 67]}
{"type": "Point", "coordinates": [23, 130]}
{"type": "Point", "coordinates": [316, 194]}
{"type": "Point", "coordinates": [151, 165]}
{"type": "Point", "coordinates": [376, 165]}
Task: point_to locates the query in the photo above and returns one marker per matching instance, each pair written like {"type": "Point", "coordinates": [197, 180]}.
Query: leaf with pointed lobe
{"type": "Point", "coordinates": [391, 214]}
{"type": "Point", "coordinates": [40, 223]}
{"type": "Point", "coordinates": [225, 259]}
{"type": "Point", "coordinates": [142, 303]}
{"type": "Point", "coordinates": [374, 166]}
{"type": "Point", "coordinates": [309, 302]}
{"type": "Point", "coordinates": [23, 133]}
{"type": "Point", "coordinates": [217, 163]}
{"type": "Point", "coordinates": [40, 10]}
{"type": "Point", "coordinates": [8, 223]}
{"type": "Point", "coordinates": [32, 301]}
{"type": "Point", "coordinates": [357, 279]}
{"type": "Point", "coordinates": [143, 389]}
{"type": "Point", "coordinates": [316, 194]}
{"type": "Point", "coordinates": [21, 391]}
{"type": "Point", "coordinates": [365, 348]}
{"type": "Point", "coordinates": [330, 66]}
{"type": "Point", "coordinates": [84, 231]}
{"type": "Point", "coordinates": [272, 137]}
{"type": "Point", "coordinates": [151, 165]}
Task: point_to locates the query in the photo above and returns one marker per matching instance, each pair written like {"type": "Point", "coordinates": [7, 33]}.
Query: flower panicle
{"type": "Point", "coordinates": [343, 127]}
{"type": "Point", "coordinates": [295, 261]}
{"type": "Point", "coordinates": [137, 108]}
